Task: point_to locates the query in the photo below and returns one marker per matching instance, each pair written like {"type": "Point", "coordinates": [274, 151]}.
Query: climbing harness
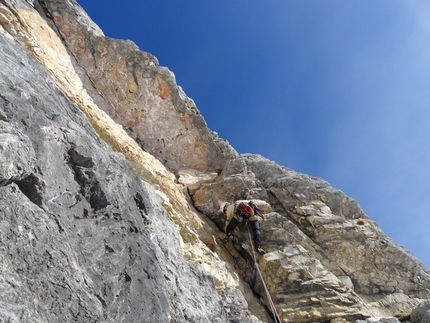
{"type": "Point", "coordinates": [257, 270]}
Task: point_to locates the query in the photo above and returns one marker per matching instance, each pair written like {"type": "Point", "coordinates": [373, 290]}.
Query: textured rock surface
{"type": "Point", "coordinates": [421, 314]}
{"type": "Point", "coordinates": [76, 245]}
{"type": "Point", "coordinates": [110, 185]}
{"type": "Point", "coordinates": [141, 95]}
{"type": "Point", "coordinates": [326, 256]}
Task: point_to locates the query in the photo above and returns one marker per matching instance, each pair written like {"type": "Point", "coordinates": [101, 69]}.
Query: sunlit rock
{"type": "Point", "coordinates": [111, 183]}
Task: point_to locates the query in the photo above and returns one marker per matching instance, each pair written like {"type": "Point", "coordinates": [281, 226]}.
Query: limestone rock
{"type": "Point", "coordinates": [82, 238]}
{"type": "Point", "coordinates": [110, 187]}
{"type": "Point", "coordinates": [325, 254]}
{"type": "Point", "coordinates": [141, 95]}
{"type": "Point", "coordinates": [421, 314]}
{"type": "Point", "coordinates": [380, 320]}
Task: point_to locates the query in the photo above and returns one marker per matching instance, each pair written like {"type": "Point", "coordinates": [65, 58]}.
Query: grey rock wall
{"type": "Point", "coordinates": [82, 239]}
{"type": "Point", "coordinates": [421, 314]}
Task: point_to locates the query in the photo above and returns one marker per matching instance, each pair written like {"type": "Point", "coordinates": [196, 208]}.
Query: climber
{"type": "Point", "coordinates": [239, 211]}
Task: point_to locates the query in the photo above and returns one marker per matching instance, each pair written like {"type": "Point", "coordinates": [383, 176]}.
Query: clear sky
{"type": "Point", "coordinates": [334, 89]}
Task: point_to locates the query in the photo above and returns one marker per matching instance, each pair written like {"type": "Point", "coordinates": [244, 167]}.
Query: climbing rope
{"type": "Point", "coordinates": [257, 269]}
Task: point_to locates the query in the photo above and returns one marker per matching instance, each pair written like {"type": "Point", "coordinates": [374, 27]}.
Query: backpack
{"type": "Point", "coordinates": [244, 210]}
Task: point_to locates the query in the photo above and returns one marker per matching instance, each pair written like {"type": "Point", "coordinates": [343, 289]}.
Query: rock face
{"type": "Point", "coordinates": [326, 256]}
{"type": "Point", "coordinates": [82, 238]}
{"type": "Point", "coordinates": [141, 95]}
{"type": "Point", "coordinates": [110, 186]}
{"type": "Point", "coordinates": [421, 314]}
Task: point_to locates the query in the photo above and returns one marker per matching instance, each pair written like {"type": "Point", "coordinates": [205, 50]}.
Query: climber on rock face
{"type": "Point", "coordinates": [239, 211]}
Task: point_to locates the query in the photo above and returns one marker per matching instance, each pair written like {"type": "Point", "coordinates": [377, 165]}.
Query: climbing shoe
{"type": "Point", "coordinates": [227, 239]}
{"type": "Point", "coordinates": [260, 250]}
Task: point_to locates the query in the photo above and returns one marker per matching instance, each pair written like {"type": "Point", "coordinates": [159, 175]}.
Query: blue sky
{"type": "Point", "coordinates": [334, 89]}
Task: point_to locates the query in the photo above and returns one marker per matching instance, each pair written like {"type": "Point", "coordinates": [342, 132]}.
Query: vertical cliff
{"type": "Point", "coordinates": [110, 185]}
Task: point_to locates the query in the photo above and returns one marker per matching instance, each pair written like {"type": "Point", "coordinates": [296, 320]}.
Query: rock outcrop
{"type": "Point", "coordinates": [110, 186]}
{"type": "Point", "coordinates": [421, 314]}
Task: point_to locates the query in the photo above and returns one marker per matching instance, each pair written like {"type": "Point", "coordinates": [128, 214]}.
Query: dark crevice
{"type": "Point", "coordinates": [31, 186]}
{"type": "Point", "coordinates": [139, 141]}
{"type": "Point", "coordinates": [102, 301]}
{"type": "Point", "coordinates": [124, 275]}
{"type": "Point", "coordinates": [5, 103]}
{"type": "Point", "coordinates": [80, 160]}
{"type": "Point", "coordinates": [140, 204]}
{"type": "Point", "coordinates": [133, 229]}
{"type": "Point", "coordinates": [109, 249]}
{"type": "Point", "coordinates": [44, 9]}
{"type": "Point", "coordinates": [85, 176]}
{"type": "Point", "coordinates": [138, 199]}
{"type": "Point", "coordinates": [57, 221]}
